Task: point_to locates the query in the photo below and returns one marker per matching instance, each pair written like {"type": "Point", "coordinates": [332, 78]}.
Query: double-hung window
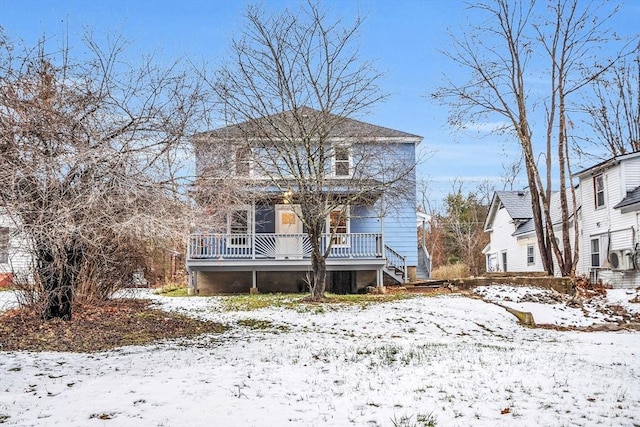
{"type": "Point", "coordinates": [243, 161]}
{"type": "Point", "coordinates": [595, 252]}
{"type": "Point", "coordinates": [531, 254]}
{"type": "Point", "coordinates": [341, 160]}
{"type": "Point", "coordinates": [598, 190]}
{"type": "Point", "coordinates": [4, 245]}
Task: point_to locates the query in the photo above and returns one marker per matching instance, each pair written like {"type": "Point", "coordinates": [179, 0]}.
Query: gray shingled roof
{"type": "Point", "coordinates": [289, 124]}
{"type": "Point", "coordinates": [632, 198]}
{"type": "Point", "coordinates": [556, 214]}
{"type": "Point", "coordinates": [517, 203]}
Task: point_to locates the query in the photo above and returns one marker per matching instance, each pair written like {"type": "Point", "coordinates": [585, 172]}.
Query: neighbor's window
{"type": "Point", "coordinates": [598, 190]}
{"type": "Point", "coordinates": [238, 222]}
{"type": "Point", "coordinates": [595, 252]}
{"type": "Point", "coordinates": [504, 261]}
{"type": "Point", "coordinates": [339, 226]}
{"type": "Point", "coordinates": [341, 160]}
{"type": "Point", "coordinates": [4, 245]}
{"type": "Point", "coordinates": [243, 161]}
{"type": "Point", "coordinates": [530, 255]}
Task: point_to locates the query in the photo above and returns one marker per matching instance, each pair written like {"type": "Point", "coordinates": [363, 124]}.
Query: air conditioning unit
{"type": "Point", "coordinates": [621, 259]}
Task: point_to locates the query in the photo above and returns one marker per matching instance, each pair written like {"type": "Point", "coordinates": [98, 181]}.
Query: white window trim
{"type": "Point", "coordinates": [4, 249]}
{"type": "Point", "coordinates": [595, 192]}
{"type": "Point", "coordinates": [334, 161]}
{"type": "Point", "coordinates": [531, 247]}
{"type": "Point", "coordinates": [504, 256]}
{"type": "Point", "coordinates": [249, 161]}
{"type": "Point", "coordinates": [592, 253]}
{"type": "Point", "coordinates": [347, 214]}
{"type": "Point", "coordinates": [239, 208]}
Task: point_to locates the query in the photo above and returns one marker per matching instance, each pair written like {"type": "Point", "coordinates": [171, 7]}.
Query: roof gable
{"type": "Point", "coordinates": [517, 204]}
{"type": "Point", "coordinates": [607, 164]}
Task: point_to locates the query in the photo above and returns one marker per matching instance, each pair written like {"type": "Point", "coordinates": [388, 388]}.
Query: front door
{"type": "Point", "coordinates": [288, 232]}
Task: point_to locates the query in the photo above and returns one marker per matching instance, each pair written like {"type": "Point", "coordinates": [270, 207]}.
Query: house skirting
{"type": "Point", "coordinates": [338, 281]}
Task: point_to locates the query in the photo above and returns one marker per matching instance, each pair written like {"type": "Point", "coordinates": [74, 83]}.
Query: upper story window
{"type": "Point", "coordinates": [598, 190]}
{"type": "Point", "coordinates": [4, 245]}
{"type": "Point", "coordinates": [531, 255]}
{"type": "Point", "coordinates": [341, 160]}
{"type": "Point", "coordinates": [243, 161]}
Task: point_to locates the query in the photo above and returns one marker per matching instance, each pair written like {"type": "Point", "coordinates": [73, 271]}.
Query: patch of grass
{"type": "Point", "coordinates": [450, 271]}
{"type": "Point", "coordinates": [422, 420]}
{"type": "Point", "coordinates": [262, 325]}
{"type": "Point", "coordinates": [301, 302]}
{"type": "Point", "coordinates": [173, 290]}
{"type": "Point", "coordinates": [244, 302]}
{"type": "Point", "coordinates": [93, 328]}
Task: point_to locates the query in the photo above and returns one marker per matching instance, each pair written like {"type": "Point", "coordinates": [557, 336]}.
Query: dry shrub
{"type": "Point", "coordinates": [450, 271]}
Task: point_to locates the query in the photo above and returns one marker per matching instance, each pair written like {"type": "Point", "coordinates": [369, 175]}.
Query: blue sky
{"type": "Point", "coordinates": [402, 36]}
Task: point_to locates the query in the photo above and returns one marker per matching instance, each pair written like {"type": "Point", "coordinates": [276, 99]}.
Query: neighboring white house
{"type": "Point", "coordinates": [608, 197]}
{"type": "Point", "coordinates": [513, 245]}
{"type": "Point", "coordinates": [14, 258]}
{"type": "Point", "coordinates": [609, 244]}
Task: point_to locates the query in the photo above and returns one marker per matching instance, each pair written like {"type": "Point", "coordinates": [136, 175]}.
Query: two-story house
{"type": "Point", "coordinates": [260, 241]}
{"type": "Point", "coordinates": [610, 244]}
{"type": "Point", "coordinates": [513, 244]}
{"type": "Point", "coordinates": [608, 195]}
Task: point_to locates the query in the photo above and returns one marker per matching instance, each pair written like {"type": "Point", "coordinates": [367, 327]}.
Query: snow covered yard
{"type": "Point", "coordinates": [445, 361]}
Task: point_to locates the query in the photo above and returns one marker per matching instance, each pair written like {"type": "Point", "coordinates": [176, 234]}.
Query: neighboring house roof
{"type": "Point", "coordinates": [518, 206]}
{"type": "Point", "coordinates": [631, 202]}
{"type": "Point", "coordinates": [339, 127]}
{"type": "Point", "coordinates": [555, 209]}
{"type": "Point", "coordinates": [609, 163]}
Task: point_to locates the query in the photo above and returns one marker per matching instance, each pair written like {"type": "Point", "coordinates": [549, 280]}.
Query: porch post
{"type": "Point", "coordinates": [253, 232]}
{"type": "Point", "coordinates": [254, 285]}
{"type": "Point", "coordinates": [192, 289]}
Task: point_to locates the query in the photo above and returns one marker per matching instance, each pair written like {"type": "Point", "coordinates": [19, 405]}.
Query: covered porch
{"type": "Point", "coordinates": [245, 257]}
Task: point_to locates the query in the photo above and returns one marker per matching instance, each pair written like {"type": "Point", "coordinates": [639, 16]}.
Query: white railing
{"type": "Point", "coordinates": [396, 263]}
{"type": "Point", "coordinates": [282, 246]}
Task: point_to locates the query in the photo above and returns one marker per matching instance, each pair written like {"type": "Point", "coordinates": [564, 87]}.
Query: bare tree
{"type": "Point", "coordinates": [463, 221]}
{"type": "Point", "coordinates": [87, 161]}
{"type": "Point", "coordinates": [614, 109]}
{"type": "Point", "coordinates": [290, 84]}
{"type": "Point", "coordinates": [499, 54]}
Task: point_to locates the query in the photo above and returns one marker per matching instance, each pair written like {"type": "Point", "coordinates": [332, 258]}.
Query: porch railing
{"type": "Point", "coordinates": [396, 263]}
{"type": "Point", "coordinates": [282, 246]}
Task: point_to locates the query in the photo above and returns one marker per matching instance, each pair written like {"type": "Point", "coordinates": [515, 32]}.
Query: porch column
{"type": "Point", "coordinates": [254, 285]}
{"type": "Point", "coordinates": [253, 233]}
{"type": "Point", "coordinates": [379, 277]}
{"type": "Point", "coordinates": [192, 289]}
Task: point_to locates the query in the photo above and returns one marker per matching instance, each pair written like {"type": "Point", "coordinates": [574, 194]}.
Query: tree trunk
{"type": "Point", "coordinates": [319, 278]}
{"type": "Point", "coordinates": [58, 281]}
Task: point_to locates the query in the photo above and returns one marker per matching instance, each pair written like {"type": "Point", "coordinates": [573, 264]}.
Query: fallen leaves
{"type": "Point", "coordinates": [112, 324]}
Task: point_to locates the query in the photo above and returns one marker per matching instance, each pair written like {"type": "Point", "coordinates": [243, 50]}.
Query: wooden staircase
{"type": "Point", "coordinates": [396, 266]}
